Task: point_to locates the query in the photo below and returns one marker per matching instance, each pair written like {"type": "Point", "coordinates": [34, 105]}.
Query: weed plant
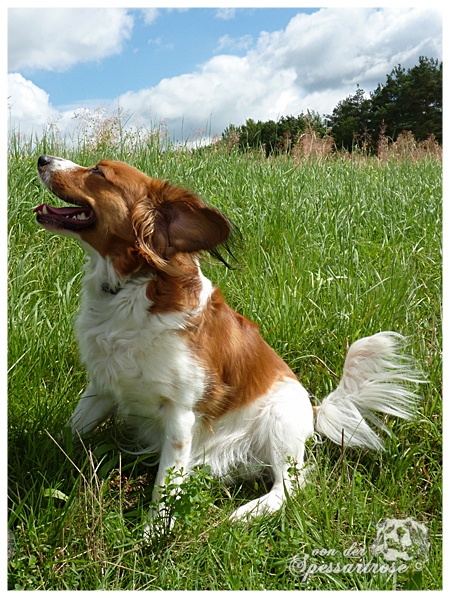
{"type": "Point", "coordinates": [332, 250]}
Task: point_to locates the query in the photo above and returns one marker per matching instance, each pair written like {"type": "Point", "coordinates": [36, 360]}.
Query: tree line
{"type": "Point", "coordinates": [410, 100]}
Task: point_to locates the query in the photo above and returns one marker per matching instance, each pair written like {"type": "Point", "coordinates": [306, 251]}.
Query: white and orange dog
{"type": "Point", "coordinates": [166, 353]}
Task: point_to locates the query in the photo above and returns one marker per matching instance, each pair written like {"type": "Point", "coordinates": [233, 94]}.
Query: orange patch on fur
{"type": "Point", "coordinates": [175, 293]}
{"type": "Point", "coordinates": [240, 365]}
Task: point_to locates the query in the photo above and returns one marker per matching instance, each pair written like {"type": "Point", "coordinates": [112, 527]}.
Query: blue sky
{"type": "Point", "coordinates": [176, 42]}
{"type": "Point", "coordinates": [204, 68]}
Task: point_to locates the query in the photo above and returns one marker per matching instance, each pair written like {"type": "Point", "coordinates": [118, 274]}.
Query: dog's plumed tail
{"type": "Point", "coordinates": [375, 379]}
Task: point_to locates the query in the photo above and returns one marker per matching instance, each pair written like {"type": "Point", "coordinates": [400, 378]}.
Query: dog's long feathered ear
{"type": "Point", "coordinates": [171, 220]}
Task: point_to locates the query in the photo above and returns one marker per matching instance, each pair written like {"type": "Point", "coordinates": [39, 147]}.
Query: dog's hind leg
{"type": "Point", "coordinates": [284, 425]}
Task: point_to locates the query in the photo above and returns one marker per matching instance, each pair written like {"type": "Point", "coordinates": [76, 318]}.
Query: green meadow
{"type": "Point", "coordinates": [329, 250]}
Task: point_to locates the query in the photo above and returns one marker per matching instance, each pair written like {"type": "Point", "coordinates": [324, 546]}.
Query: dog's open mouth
{"type": "Point", "coordinates": [68, 218]}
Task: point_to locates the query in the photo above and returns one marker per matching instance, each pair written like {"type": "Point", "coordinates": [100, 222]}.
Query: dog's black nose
{"type": "Point", "coordinates": [43, 160]}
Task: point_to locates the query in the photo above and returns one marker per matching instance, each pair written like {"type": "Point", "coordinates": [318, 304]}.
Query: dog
{"type": "Point", "coordinates": [165, 352]}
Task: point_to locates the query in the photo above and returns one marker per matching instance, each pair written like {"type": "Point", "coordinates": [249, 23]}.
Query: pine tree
{"type": "Point", "coordinates": [410, 101]}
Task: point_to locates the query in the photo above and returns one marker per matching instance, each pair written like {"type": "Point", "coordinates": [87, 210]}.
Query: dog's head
{"type": "Point", "coordinates": [127, 216]}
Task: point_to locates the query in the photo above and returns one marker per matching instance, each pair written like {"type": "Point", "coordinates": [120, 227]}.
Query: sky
{"type": "Point", "coordinates": [198, 70]}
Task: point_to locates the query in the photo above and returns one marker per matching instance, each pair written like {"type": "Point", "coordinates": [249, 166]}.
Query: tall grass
{"type": "Point", "coordinates": [333, 249]}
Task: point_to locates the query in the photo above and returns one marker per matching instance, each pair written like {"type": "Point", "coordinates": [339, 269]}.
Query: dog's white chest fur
{"type": "Point", "coordinates": [136, 357]}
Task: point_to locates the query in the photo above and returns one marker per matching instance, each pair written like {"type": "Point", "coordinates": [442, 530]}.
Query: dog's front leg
{"type": "Point", "coordinates": [93, 408]}
{"type": "Point", "coordinates": [175, 453]}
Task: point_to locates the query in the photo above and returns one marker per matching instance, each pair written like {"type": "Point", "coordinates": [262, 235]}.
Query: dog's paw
{"type": "Point", "coordinates": [269, 503]}
{"type": "Point", "coordinates": [247, 512]}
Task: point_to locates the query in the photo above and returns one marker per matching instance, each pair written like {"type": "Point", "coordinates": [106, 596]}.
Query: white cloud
{"type": "Point", "coordinates": [225, 13]}
{"type": "Point", "coordinates": [28, 104]}
{"type": "Point", "coordinates": [150, 15]}
{"type": "Point", "coordinates": [227, 90]}
{"type": "Point", "coordinates": [338, 48]}
{"type": "Point", "coordinates": [57, 38]}
{"type": "Point", "coordinates": [31, 112]}
{"type": "Point", "coordinates": [160, 43]}
{"type": "Point", "coordinates": [234, 43]}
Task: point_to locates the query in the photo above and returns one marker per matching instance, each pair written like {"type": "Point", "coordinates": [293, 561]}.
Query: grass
{"type": "Point", "coordinates": [332, 250]}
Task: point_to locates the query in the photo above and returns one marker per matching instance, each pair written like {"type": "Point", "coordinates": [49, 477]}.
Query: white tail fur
{"type": "Point", "coordinates": [373, 380]}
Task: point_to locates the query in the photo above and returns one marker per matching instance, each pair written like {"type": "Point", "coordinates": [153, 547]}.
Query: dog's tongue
{"type": "Point", "coordinates": [68, 217]}
{"type": "Point", "coordinates": [46, 209]}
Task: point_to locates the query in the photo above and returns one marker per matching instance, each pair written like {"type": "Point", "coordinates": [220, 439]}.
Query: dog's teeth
{"type": "Point", "coordinates": [81, 216]}
{"type": "Point", "coordinates": [44, 210]}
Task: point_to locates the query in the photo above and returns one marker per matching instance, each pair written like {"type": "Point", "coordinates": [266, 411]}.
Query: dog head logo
{"type": "Point", "coordinates": [401, 539]}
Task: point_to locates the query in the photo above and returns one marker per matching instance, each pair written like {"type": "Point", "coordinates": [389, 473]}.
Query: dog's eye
{"type": "Point", "coordinates": [97, 170]}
